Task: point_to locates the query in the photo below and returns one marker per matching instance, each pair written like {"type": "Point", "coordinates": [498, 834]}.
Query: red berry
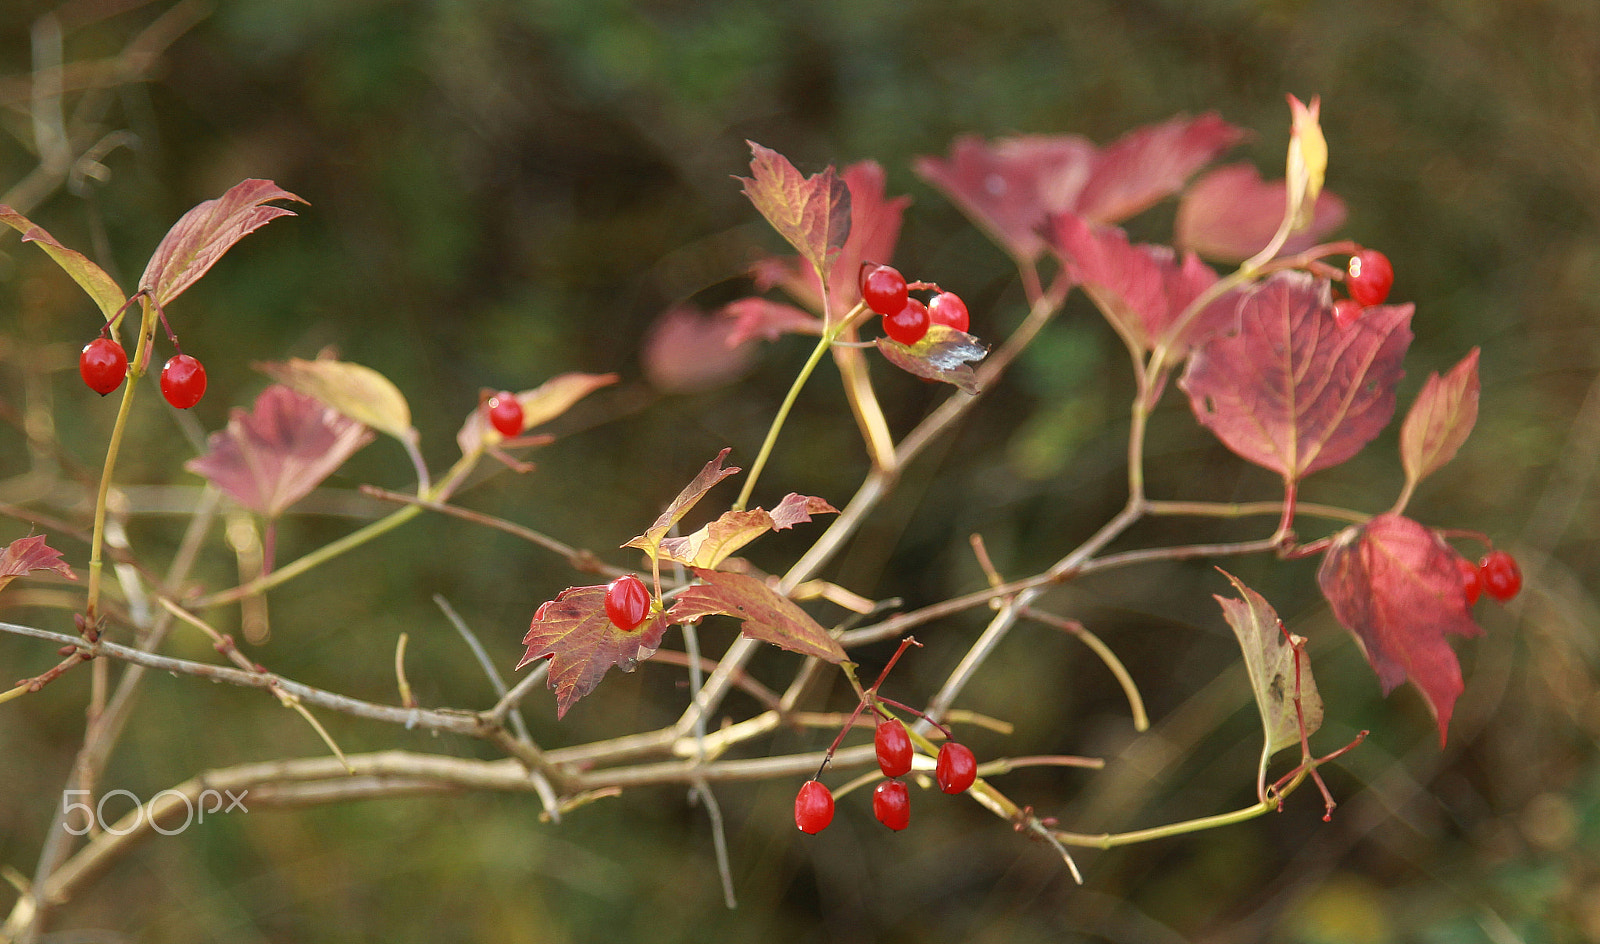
{"type": "Point", "coordinates": [1502, 578]}
{"type": "Point", "coordinates": [813, 807]}
{"type": "Point", "coordinates": [183, 381]}
{"type": "Point", "coordinates": [947, 308]}
{"type": "Point", "coordinates": [627, 602]}
{"type": "Point", "coordinates": [883, 288]}
{"type": "Point", "coordinates": [1471, 582]}
{"type": "Point", "coordinates": [1346, 312]}
{"type": "Point", "coordinates": [956, 768]}
{"type": "Point", "coordinates": [891, 804]}
{"type": "Point", "coordinates": [505, 413]}
{"type": "Point", "coordinates": [103, 364]}
{"type": "Point", "coordinates": [1369, 277]}
{"type": "Point", "coordinates": [894, 748]}
{"type": "Point", "coordinates": [909, 325]}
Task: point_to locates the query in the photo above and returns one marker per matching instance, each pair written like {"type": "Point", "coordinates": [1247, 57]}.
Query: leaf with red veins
{"type": "Point", "coordinates": [688, 351]}
{"type": "Point", "coordinates": [650, 541]}
{"type": "Point", "coordinates": [1143, 289]}
{"type": "Point", "coordinates": [273, 456]}
{"type": "Point", "coordinates": [1440, 420]}
{"type": "Point", "coordinates": [1396, 585]}
{"type": "Point", "coordinates": [89, 276]}
{"type": "Point", "coordinates": [1230, 214]}
{"type": "Point", "coordinates": [812, 213]}
{"type": "Point", "coordinates": [1270, 660]}
{"type": "Point", "coordinates": [797, 509]}
{"type": "Point", "coordinates": [1290, 390]}
{"type": "Point", "coordinates": [720, 539]}
{"type": "Point", "coordinates": [759, 318]}
{"type": "Point", "coordinates": [767, 615]}
{"type": "Point", "coordinates": [26, 555]}
{"type": "Point", "coordinates": [203, 234]}
{"type": "Point", "coordinates": [944, 354]}
{"type": "Point", "coordinates": [582, 644]}
{"type": "Point", "coordinates": [539, 406]}
{"type": "Point", "coordinates": [1012, 186]}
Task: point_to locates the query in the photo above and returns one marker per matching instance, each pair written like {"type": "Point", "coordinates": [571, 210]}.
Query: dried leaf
{"type": "Point", "coordinates": [1230, 214]}
{"type": "Point", "coordinates": [650, 541]}
{"type": "Point", "coordinates": [1274, 676]}
{"type": "Point", "coordinates": [687, 351]}
{"type": "Point", "coordinates": [1395, 585]}
{"type": "Point", "coordinates": [202, 235]}
{"type": "Point", "coordinates": [93, 279]}
{"type": "Point", "coordinates": [273, 456]}
{"type": "Point", "coordinates": [812, 213]}
{"type": "Point", "coordinates": [582, 644]}
{"type": "Point", "coordinates": [1440, 420]}
{"type": "Point", "coordinates": [797, 509]}
{"type": "Point", "coordinates": [539, 406]}
{"type": "Point", "coordinates": [1292, 391]}
{"type": "Point", "coordinates": [355, 390]}
{"type": "Point", "coordinates": [767, 615]}
{"type": "Point", "coordinates": [943, 354]}
{"type": "Point", "coordinates": [26, 555]}
{"type": "Point", "coordinates": [717, 540]}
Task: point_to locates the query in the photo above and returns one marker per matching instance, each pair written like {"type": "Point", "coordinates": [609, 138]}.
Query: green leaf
{"type": "Point", "coordinates": [1279, 672]}
{"type": "Point", "coordinates": [768, 616]}
{"type": "Point", "coordinates": [357, 391]}
{"type": "Point", "coordinates": [812, 213]}
{"type": "Point", "coordinates": [93, 279]}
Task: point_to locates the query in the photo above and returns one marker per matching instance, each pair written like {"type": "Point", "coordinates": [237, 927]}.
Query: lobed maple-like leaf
{"type": "Point", "coordinates": [90, 277]}
{"type": "Point", "coordinates": [355, 390]}
{"type": "Point", "coordinates": [767, 615]}
{"type": "Point", "coordinates": [1291, 390]}
{"type": "Point", "coordinates": [1012, 186]}
{"type": "Point", "coordinates": [688, 351]}
{"type": "Point", "coordinates": [1440, 419]}
{"type": "Point", "coordinates": [1396, 586]}
{"type": "Point", "coordinates": [202, 235]}
{"type": "Point", "coordinates": [943, 354]}
{"type": "Point", "coordinates": [582, 644]}
{"type": "Point", "coordinates": [539, 406]}
{"type": "Point", "coordinates": [1230, 214]}
{"type": "Point", "coordinates": [718, 540]}
{"type": "Point", "coordinates": [650, 540]}
{"type": "Point", "coordinates": [26, 555]}
{"type": "Point", "coordinates": [1275, 677]}
{"type": "Point", "coordinates": [274, 455]}
{"type": "Point", "coordinates": [812, 213]}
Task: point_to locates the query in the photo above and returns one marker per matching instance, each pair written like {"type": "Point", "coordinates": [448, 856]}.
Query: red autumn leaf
{"type": "Point", "coordinates": [26, 555]}
{"type": "Point", "coordinates": [539, 406]}
{"type": "Point", "coordinates": [1396, 585]}
{"type": "Point", "coordinates": [943, 354]}
{"type": "Point", "coordinates": [1275, 678]}
{"type": "Point", "coordinates": [1230, 214]}
{"type": "Point", "coordinates": [650, 541]}
{"type": "Point", "coordinates": [1292, 391]}
{"type": "Point", "coordinates": [203, 234]}
{"type": "Point", "coordinates": [759, 318]}
{"type": "Point", "coordinates": [582, 644]}
{"type": "Point", "coordinates": [797, 509]}
{"type": "Point", "coordinates": [767, 615]}
{"type": "Point", "coordinates": [1140, 289]}
{"type": "Point", "coordinates": [1012, 186]}
{"type": "Point", "coordinates": [93, 279]}
{"type": "Point", "coordinates": [812, 213]}
{"type": "Point", "coordinates": [273, 456]}
{"type": "Point", "coordinates": [1440, 420]}
{"type": "Point", "coordinates": [688, 351]}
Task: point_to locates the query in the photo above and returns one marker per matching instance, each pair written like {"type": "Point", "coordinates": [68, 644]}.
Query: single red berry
{"type": "Point", "coordinates": [956, 768]}
{"type": "Point", "coordinates": [183, 381]}
{"type": "Point", "coordinates": [947, 308]}
{"type": "Point", "coordinates": [891, 804]}
{"type": "Point", "coordinates": [505, 413]}
{"type": "Point", "coordinates": [1346, 312]}
{"type": "Point", "coordinates": [627, 602]}
{"type": "Point", "coordinates": [894, 748]}
{"type": "Point", "coordinates": [1369, 276]}
{"type": "Point", "coordinates": [813, 807]}
{"type": "Point", "coordinates": [909, 325]}
{"type": "Point", "coordinates": [103, 364]}
{"type": "Point", "coordinates": [1502, 578]}
{"type": "Point", "coordinates": [1471, 581]}
{"type": "Point", "coordinates": [883, 288]}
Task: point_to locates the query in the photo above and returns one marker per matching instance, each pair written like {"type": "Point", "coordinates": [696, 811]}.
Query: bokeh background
{"type": "Point", "coordinates": [502, 190]}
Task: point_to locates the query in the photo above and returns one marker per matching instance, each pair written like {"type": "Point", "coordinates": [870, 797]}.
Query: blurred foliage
{"type": "Point", "coordinates": [502, 190]}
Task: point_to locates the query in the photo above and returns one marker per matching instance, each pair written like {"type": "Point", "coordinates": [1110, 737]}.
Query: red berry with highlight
{"type": "Point", "coordinates": [1471, 580]}
{"type": "Point", "coordinates": [1502, 578]}
{"type": "Point", "coordinates": [103, 364]}
{"type": "Point", "coordinates": [1346, 312]}
{"type": "Point", "coordinates": [956, 768]}
{"type": "Point", "coordinates": [813, 807]}
{"type": "Point", "coordinates": [947, 308]}
{"type": "Point", "coordinates": [891, 804]}
{"type": "Point", "coordinates": [894, 748]}
{"type": "Point", "coordinates": [883, 288]}
{"type": "Point", "coordinates": [505, 413]}
{"type": "Point", "coordinates": [183, 381]}
{"type": "Point", "coordinates": [1369, 276]}
{"type": "Point", "coordinates": [627, 602]}
{"type": "Point", "coordinates": [909, 325]}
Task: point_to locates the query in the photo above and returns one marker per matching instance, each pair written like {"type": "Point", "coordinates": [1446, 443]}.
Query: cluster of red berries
{"type": "Point", "coordinates": [1497, 575]}
{"type": "Point", "coordinates": [104, 363]}
{"type": "Point", "coordinates": [905, 319]}
{"type": "Point", "coordinates": [955, 769]}
{"type": "Point", "coordinates": [1368, 278]}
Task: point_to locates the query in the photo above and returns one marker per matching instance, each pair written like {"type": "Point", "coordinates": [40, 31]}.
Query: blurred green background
{"type": "Point", "coordinates": [502, 191]}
